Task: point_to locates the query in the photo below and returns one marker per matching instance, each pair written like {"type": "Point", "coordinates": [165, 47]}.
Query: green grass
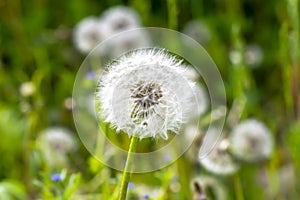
{"type": "Point", "coordinates": [36, 45]}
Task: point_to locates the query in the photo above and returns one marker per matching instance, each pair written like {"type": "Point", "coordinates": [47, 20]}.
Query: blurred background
{"type": "Point", "coordinates": [255, 45]}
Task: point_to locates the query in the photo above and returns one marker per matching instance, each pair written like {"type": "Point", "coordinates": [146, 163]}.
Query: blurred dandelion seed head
{"type": "Point", "coordinates": [60, 139]}
{"type": "Point", "coordinates": [121, 18]}
{"type": "Point", "coordinates": [235, 57]}
{"type": "Point", "coordinates": [145, 93]}
{"type": "Point", "coordinates": [90, 32]}
{"type": "Point", "coordinates": [27, 89]}
{"type": "Point", "coordinates": [253, 55]}
{"type": "Point", "coordinates": [219, 161]}
{"type": "Point", "coordinates": [55, 143]}
{"type": "Point", "coordinates": [251, 141]}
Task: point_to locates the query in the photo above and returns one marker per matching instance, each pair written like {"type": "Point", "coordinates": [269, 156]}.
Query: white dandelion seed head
{"type": "Point", "coordinates": [251, 141]}
{"type": "Point", "coordinates": [235, 57]}
{"type": "Point", "coordinates": [121, 18]}
{"type": "Point", "coordinates": [55, 143]}
{"type": "Point", "coordinates": [145, 93]}
{"type": "Point", "coordinates": [198, 30]}
{"type": "Point", "coordinates": [253, 55]}
{"type": "Point", "coordinates": [60, 139]}
{"type": "Point", "coordinates": [219, 161]}
{"type": "Point", "coordinates": [90, 32]}
{"type": "Point", "coordinates": [209, 183]}
{"type": "Point", "coordinates": [27, 89]}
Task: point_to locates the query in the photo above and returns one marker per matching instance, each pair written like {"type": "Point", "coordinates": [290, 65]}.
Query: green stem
{"type": "Point", "coordinates": [238, 188]}
{"type": "Point", "coordinates": [173, 14]}
{"type": "Point", "coordinates": [184, 171]}
{"type": "Point", "coordinates": [292, 7]}
{"type": "Point", "coordinates": [127, 173]}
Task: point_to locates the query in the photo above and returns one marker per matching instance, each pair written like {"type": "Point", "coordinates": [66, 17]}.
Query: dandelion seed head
{"type": "Point", "coordinates": [55, 143]}
{"type": "Point", "coordinates": [27, 89]}
{"type": "Point", "coordinates": [59, 139]}
{"type": "Point", "coordinates": [251, 141]}
{"type": "Point", "coordinates": [68, 103]}
{"type": "Point", "coordinates": [121, 18]}
{"type": "Point", "coordinates": [219, 161]}
{"type": "Point", "coordinates": [90, 32]}
{"type": "Point", "coordinates": [145, 93]}
{"type": "Point", "coordinates": [253, 55]}
{"type": "Point", "coordinates": [235, 57]}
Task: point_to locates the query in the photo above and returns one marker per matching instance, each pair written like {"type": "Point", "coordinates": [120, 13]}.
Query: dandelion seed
{"type": "Point", "coordinates": [251, 141]}
{"type": "Point", "coordinates": [121, 18]}
{"type": "Point", "coordinates": [145, 93]}
{"type": "Point", "coordinates": [90, 32]}
{"type": "Point", "coordinates": [219, 161]}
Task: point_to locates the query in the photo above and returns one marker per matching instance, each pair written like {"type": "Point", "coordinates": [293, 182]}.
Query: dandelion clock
{"type": "Point", "coordinates": [144, 98]}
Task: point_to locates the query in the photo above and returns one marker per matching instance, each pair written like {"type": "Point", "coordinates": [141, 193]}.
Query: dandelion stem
{"type": "Point", "coordinates": [292, 6]}
{"type": "Point", "coordinates": [238, 188]}
{"type": "Point", "coordinates": [127, 173]}
{"type": "Point", "coordinates": [173, 14]}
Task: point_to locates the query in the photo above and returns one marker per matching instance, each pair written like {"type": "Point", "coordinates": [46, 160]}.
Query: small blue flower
{"type": "Point", "coordinates": [146, 196]}
{"type": "Point", "coordinates": [124, 163]}
{"type": "Point", "coordinates": [130, 185]}
{"type": "Point", "coordinates": [167, 158]}
{"type": "Point", "coordinates": [56, 177]}
{"type": "Point", "coordinates": [91, 75]}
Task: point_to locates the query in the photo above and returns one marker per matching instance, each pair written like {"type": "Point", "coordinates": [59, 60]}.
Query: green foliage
{"type": "Point", "coordinates": [36, 46]}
